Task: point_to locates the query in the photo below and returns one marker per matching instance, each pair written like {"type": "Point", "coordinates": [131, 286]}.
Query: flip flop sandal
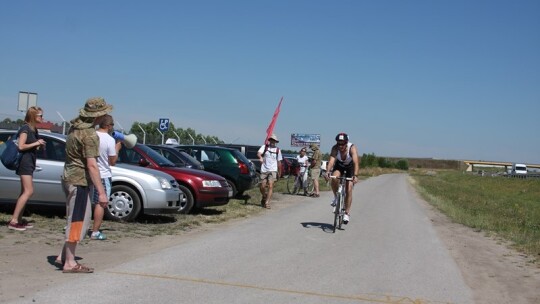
{"type": "Point", "coordinates": [79, 268]}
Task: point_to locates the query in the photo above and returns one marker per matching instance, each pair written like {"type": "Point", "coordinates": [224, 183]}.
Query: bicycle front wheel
{"type": "Point", "coordinates": [337, 211]}
{"type": "Point", "coordinates": [341, 209]}
{"type": "Point", "coordinates": [291, 183]}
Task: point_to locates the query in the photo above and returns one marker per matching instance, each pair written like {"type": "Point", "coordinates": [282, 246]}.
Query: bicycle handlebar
{"type": "Point", "coordinates": [345, 178]}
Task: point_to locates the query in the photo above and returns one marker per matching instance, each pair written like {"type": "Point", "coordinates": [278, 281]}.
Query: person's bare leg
{"type": "Point", "coordinates": [27, 189]}
{"type": "Point", "coordinates": [98, 217]}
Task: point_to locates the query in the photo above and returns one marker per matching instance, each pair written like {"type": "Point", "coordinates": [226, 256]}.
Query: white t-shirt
{"type": "Point", "coordinates": [270, 159]}
{"type": "Point", "coordinates": [106, 149]}
{"type": "Point", "coordinates": [302, 161]}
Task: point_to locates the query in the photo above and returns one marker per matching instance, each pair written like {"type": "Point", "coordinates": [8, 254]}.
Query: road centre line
{"type": "Point", "coordinates": [372, 298]}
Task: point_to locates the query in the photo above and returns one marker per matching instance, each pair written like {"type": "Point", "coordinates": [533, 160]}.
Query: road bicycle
{"type": "Point", "coordinates": [295, 180]}
{"type": "Point", "coordinates": [339, 208]}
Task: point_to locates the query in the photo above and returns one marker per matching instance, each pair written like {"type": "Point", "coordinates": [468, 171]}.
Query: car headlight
{"type": "Point", "coordinates": [211, 183]}
{"type": "Point", "coordinates": [164, 183]}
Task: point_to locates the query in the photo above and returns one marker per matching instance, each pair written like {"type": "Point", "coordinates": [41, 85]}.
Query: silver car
{"type": "Point", "coordinates": [133, 191]}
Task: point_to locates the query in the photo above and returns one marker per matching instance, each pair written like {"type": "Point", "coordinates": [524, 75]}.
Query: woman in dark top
{"type": "Point", "coordinates": [28, 143]}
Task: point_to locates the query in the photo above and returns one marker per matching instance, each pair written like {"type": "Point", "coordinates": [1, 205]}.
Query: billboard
{"type": "Point", "coordinates": [304, 140]}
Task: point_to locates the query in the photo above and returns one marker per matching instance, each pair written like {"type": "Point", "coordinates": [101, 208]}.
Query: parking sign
{"type": "Point", "coordinates": [164, 124]}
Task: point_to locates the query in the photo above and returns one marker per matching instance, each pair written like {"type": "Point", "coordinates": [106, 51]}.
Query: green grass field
{"type": "Point", "coordinates": [506, 207]}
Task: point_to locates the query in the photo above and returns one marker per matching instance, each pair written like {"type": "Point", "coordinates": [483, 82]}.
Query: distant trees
{"type": "Point", "coordinates": [371, 160]}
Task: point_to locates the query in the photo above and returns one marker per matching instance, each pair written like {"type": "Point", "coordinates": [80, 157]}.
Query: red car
{"type": "Point", "coordinates": [202, 189]}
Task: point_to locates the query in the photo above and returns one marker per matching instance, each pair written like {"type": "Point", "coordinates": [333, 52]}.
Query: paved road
{"type": "Point", "coordinates": [389, 253]}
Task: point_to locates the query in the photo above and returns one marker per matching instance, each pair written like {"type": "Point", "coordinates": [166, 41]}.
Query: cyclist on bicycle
{"type": "Point", "coordinates": [343, 160]}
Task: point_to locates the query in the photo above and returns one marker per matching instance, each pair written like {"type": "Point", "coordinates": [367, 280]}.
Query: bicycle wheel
{"type": "Point", "coordinates": [291, 183]}
{"type": "Point", "coordinates": [310, 186]}
{"type": "Point", "coordinates": [337, 209]}
{"type": "Point", "coordinates": [341, 209]}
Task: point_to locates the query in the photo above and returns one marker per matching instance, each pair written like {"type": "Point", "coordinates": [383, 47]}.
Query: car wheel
{"type": "Point", "coordinates": [233, 187]}
{"type": "Point", "coordinates": [186, 206]}
{"type": "Point", "coordinates": [124, 204]}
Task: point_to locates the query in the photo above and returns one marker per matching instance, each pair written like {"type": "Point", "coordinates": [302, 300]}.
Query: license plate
{"type": "Point", "coordinates": [230, 193]}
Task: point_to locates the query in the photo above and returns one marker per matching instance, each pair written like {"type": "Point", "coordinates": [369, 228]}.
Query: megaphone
{"type": "Point", "coordinates": [129, 140]}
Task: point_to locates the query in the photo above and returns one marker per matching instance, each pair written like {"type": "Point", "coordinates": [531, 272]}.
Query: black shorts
{"type": "Point", "coordinates": [347, 171]}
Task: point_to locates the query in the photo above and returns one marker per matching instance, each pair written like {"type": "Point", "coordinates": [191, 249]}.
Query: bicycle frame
{"type": "Point", "coordinates": [339, 209]}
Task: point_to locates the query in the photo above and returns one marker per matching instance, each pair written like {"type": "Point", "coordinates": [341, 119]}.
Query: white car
{"type": "Point", "coordinates": [133, 191]}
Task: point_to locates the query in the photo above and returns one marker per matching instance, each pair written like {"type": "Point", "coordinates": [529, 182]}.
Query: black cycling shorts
{"type": "Point", "coordinates": [347, 171]}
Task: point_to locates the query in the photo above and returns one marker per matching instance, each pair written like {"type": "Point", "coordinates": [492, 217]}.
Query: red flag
{"type": "Point", "coordinates": [270, 128]}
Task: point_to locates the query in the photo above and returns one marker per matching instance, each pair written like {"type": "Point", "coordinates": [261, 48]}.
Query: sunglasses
{"type": "Point", "coordinates": [40, 115]}
{"type": "Point", "coordinates": [341, 144]}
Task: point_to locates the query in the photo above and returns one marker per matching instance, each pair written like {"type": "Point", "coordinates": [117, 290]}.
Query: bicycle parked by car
{"type": "Point", "coordinates": [297, 179]}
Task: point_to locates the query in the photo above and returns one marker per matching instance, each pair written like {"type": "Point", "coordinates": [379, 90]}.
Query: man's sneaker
{"type": "Point", "coordinates": [98, 236]}
{"type": "Point", "coordinates": [333, 203]}
{"type": "Point", "coordinates": [345, 219]}
{"type": "Point", "coordinates": [17, 226]}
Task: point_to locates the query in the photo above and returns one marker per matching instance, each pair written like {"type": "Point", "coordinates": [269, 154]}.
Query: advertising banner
{"type": "Point", "coordinates": [304, 140]}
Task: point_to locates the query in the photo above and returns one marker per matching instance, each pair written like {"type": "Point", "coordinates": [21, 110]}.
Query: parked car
{"type": "Point", "coordinates": [249, 151]}
{"type": "Point", "coordinates": [202, 189]}
{"type": "Point", "coordinates": [230, 163]}
{"type": "Point", "coordinates": [178, 157]}
{"type": "Point", "coordinates": [289, 165]}
{"type": "Point", "coordinates": [133, 192]}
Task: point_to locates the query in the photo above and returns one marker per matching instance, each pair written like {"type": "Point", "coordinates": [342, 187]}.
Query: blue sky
{"type": "Point", "coordinates": [441, 79]}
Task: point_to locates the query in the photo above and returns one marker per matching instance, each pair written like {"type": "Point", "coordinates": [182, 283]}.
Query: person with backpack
{"type": "Point", "coordinates": [270, 157]}
{"type": "Point", "coordinates": [28, 144]}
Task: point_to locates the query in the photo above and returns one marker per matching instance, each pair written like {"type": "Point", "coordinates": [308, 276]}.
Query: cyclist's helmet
{"type": "Point", "coordinates": [343, 137]}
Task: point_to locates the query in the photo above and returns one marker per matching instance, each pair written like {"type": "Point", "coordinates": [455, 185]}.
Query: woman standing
{"type": "Point", "coordinates": [28, 144]}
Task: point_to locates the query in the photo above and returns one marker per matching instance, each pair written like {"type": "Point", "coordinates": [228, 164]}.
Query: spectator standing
{"type": "Point", "coordinates": [108, 154]}
{"type": "Point", "coordinates": [270, 157]}
{"type": "Point", "coordinates": [316, 160]}
{"type": "Point", "coordinates": [303, 162]}
{"type": "Point", "coordinates": [28, 144]}
{"type": "Point", "coordinates": [80, 172]}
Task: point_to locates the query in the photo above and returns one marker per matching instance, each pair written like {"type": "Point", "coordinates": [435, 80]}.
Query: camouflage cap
{"type": "Point", "coordinates": [314, 146]}
{"type": "Point", "coordinates": [95, 107]}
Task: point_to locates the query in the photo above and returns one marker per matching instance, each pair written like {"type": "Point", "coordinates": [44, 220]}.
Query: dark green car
{"type": "Point", "coordinates": [230, 163]}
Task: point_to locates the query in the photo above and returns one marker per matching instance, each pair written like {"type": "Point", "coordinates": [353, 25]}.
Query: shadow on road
{"type": "Point", "coordinates": [323, 226]}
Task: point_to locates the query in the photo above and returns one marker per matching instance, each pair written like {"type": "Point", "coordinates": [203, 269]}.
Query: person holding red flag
{"type": "Point", "coordinates": [270, 157]}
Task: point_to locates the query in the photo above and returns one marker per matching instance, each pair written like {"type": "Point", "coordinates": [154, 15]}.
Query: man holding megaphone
{"type": "Point", "coordinates": [129, 140]}
{"type": "Point", "coordinates": [108, 154]}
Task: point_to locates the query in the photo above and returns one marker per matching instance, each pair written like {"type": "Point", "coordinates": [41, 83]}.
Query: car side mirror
{"type": "Point", "coordinates": [143, 162]}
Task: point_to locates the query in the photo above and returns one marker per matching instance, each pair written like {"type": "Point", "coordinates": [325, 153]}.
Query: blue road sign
{"type": "Point", "coordinates": [164, 124]}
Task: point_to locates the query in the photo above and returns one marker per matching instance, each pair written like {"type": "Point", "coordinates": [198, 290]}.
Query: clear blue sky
{"type": "Point", "coordinates": [443, 79]}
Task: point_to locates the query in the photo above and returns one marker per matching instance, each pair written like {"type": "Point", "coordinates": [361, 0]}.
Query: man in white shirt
{"type": "Point", "coordinates": [270, 157]}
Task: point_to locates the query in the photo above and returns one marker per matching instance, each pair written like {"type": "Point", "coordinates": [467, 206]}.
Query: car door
{"type": "Point", "coordinates": [47, 176]}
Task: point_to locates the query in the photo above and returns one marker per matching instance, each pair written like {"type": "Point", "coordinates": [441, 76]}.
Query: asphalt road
{"type": "Point", "coordinates": [388, 253]}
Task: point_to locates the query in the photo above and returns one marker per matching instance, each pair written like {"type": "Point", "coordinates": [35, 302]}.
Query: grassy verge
{"type": "Point", "coordinates": [506, 207]}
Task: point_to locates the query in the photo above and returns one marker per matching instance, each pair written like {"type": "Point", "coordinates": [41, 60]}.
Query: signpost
{"type": "Point", "coordinates": [164, 124]}
{"type": "Point", "coordinates": [26, 100]}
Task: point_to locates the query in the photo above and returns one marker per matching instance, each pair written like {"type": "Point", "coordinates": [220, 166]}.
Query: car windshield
{"type": "Point", "coordinates": [158, 158]}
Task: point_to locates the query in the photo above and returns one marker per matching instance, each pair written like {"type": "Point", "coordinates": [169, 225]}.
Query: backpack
{"type": "Point", "coordinates": [11, 156]}
{"type": "Point", "coordinates": [266, 149]}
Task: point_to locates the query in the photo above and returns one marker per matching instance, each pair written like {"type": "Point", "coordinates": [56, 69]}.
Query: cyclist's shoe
{"type": "Point", "coordinates": [345, 219]}
{"type": "Point", "coordinates": [333, 203]}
